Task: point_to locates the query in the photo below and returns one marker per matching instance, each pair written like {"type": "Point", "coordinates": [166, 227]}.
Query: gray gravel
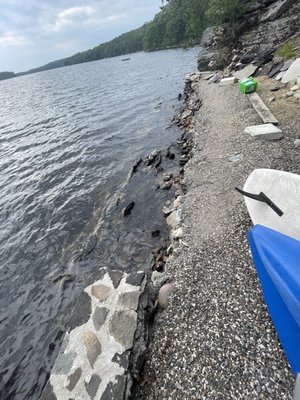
{"type": "Point", "coordinates": [216, 339]}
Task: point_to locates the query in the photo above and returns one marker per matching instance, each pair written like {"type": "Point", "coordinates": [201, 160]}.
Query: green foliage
{"type": "Point", "coordinates": [220, 11]}
{"type": "Point", "coordinates": [286, 50]}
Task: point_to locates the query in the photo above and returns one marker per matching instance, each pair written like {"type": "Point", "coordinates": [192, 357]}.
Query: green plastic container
{"type": "Point", "coordinates": [248, 85]}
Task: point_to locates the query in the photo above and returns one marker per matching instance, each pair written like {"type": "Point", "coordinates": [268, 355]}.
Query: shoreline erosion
{"type": "Point", "coordinates": [216, 339]}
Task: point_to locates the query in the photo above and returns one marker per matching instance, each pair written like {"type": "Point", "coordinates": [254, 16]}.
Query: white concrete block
{"type": "Point", "coordinates": [265, 132]}
{"type": "Point", "coordinates": [227, 81]}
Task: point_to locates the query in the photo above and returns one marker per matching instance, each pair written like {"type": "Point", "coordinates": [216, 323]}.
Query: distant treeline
{"type": "Point", "coordinates": [179, 23]}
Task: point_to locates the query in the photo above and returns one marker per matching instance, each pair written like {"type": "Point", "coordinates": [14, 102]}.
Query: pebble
{"type": "Point", "coordinates": [271, 99]}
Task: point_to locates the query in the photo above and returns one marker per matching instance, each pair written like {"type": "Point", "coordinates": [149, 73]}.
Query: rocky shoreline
{"type": "Point", "coordinates": [216, 340]}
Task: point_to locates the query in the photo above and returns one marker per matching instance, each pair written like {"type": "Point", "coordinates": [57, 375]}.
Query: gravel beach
{"type": "Point", "coordinates": [216, 339]}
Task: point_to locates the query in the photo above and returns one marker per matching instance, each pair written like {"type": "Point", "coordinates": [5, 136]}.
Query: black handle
{"type": "Point", "coordinates": [263, 198]}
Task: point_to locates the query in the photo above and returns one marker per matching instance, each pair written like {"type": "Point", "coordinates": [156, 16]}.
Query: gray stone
{"type": "Point", "coordinates": [177, 233]}
{"type": "Point", "coordinates": [271, 99]}
{"type": "Point", "coordinates": [289, 94]}
{"type": "Point", "coordinates": [297, 143]}
{"type": "Point", "coordinates": [173, 220]}
{"type": "Point", "coordinates": [293, 72]}
{"type": "Point", "coordinates": [122, 326]}
{"type": "Point", "coordinates": [295, 88]}
{"type": "Point", "coordinates": [99, 317]}
{"type": "Point", "coordinates": [115, 391]}
{"type": "Point", "coordinates": [245, 72]}
{"type": "Point", "coordinates": [164, 294]}
{"type": "Point", "coordinates": [83, 311]}
{"type": "Point", "coordinates": [297, 95]}
{"type": "Point", "coordinates": [265, 131]}
{"type": "Point", "coordinates": [135, 278]}
{"type": "Point", "coordinates": [73, 379]}
{"type": "Point", "coordinates": [276, 9]}
{"type": "Point", "coordinates": [235, 158]}
{"type": "Point", "coordinates": [92, 346]}
{"type": "Point", "coordinates": [129, 300]}
{"type": "Point", "coordinates": [101, 291]}
{"type": "Point", "coordinates": [115, 276]}
{"type": "Point", "coordinates": [186, 114]}
{"type": "Point", "coordinates": [64, 363]}
{"type": "Point", "coordinates": [93, 385]}
{"type": "Point", "coordinates": [286, 65]}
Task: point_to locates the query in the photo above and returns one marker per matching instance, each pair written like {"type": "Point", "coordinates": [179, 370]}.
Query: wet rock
{"type": "Point", "coordinates": [170, 155]}
{"type": "Point", "coordinates": [122, 327]}
{"type": "Point", "coordinates": [135, 278]}
{"type": "Point", "coordinates": [101, 291]}
{"type": "Point", "coordinates": [167, 186]}
{"type": "Point", "coordinates": [73, 379]}
{"type": "Point", "coordinates": [164, 295]}
{"type": "Point", "coordinates": [173, 220]}
{"type": "Point", "coordinates": [129, 300]}
{"type": "Point", "coordinates": [155, 233]}
{"type": "Point", "coordinates": [99, 317]}
{"type": "Point", "coordinates": [186, 114]}
{"type": "Point", "coordinates": [128, 209]}
{"type": "Point", "coordinates": [136, 165]}
{"type": "Point", "coordinates": [167, 177]}
{"type": "Point", "coordinates": [92, 386]}
{"type": "Point", "coordinates": [115, 276]}
{"type": "Point", "coordinates": [92, 346]}
{"type": "Point", "coordinates": [179, 97]}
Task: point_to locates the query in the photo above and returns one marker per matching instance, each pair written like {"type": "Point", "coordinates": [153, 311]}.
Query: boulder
{"type": "Point", "coordinates": [293, 72]}
{"type": "Point", "coordinates": [204, 60]}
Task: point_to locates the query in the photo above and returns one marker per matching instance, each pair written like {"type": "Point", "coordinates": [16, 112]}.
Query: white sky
{"type": "Point", "coordinates": [35, 32]}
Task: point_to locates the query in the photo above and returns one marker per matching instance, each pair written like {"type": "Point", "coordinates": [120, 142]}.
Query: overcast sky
{"type": "Point", "coordinates": [35, 32]}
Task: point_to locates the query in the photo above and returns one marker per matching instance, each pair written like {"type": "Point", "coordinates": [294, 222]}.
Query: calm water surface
{"type": "Point", "coordinates": [68, 139]}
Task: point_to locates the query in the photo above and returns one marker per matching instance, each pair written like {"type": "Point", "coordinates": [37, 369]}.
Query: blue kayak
{"type": "Point", "coordinates": [277, 260]}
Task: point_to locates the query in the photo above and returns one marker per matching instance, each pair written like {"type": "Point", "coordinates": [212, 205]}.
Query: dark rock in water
{"type": "Point", "coordinates": [155, 233]}
{"type": "Point", "coordinates": [158, 161]}
{"type": "Point", "coordinates": [136, 165]}
{"type": "Point", "coordinates": [179, 96]}
{"type": "Point", "coordinates": [167, 186]}
{"type": "Point", "coordinates": [128, 209]}
{"type": "Point", "coordinates": [170, 155]}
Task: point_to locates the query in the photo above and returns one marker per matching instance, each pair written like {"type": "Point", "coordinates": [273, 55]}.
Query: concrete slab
{"type": "Point", "coordinates": [227, 81]}
{"type": "Point", "coordinates": [265, 132]}
{"type": "Point", "coordinates": [293, 72]}
{"type": "Point", "coordinates": [245, 72]}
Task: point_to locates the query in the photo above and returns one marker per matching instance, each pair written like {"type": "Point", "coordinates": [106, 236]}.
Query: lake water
{"type": "Point", "coordinates": [68, 140]}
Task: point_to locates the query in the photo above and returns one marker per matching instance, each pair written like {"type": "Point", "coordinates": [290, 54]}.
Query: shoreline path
{"type": "Point", "coordinates": [216, 339]}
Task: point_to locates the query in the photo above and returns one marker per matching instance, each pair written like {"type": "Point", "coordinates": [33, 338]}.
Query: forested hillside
{"type": "Point", "coordinates": [179, 23]}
